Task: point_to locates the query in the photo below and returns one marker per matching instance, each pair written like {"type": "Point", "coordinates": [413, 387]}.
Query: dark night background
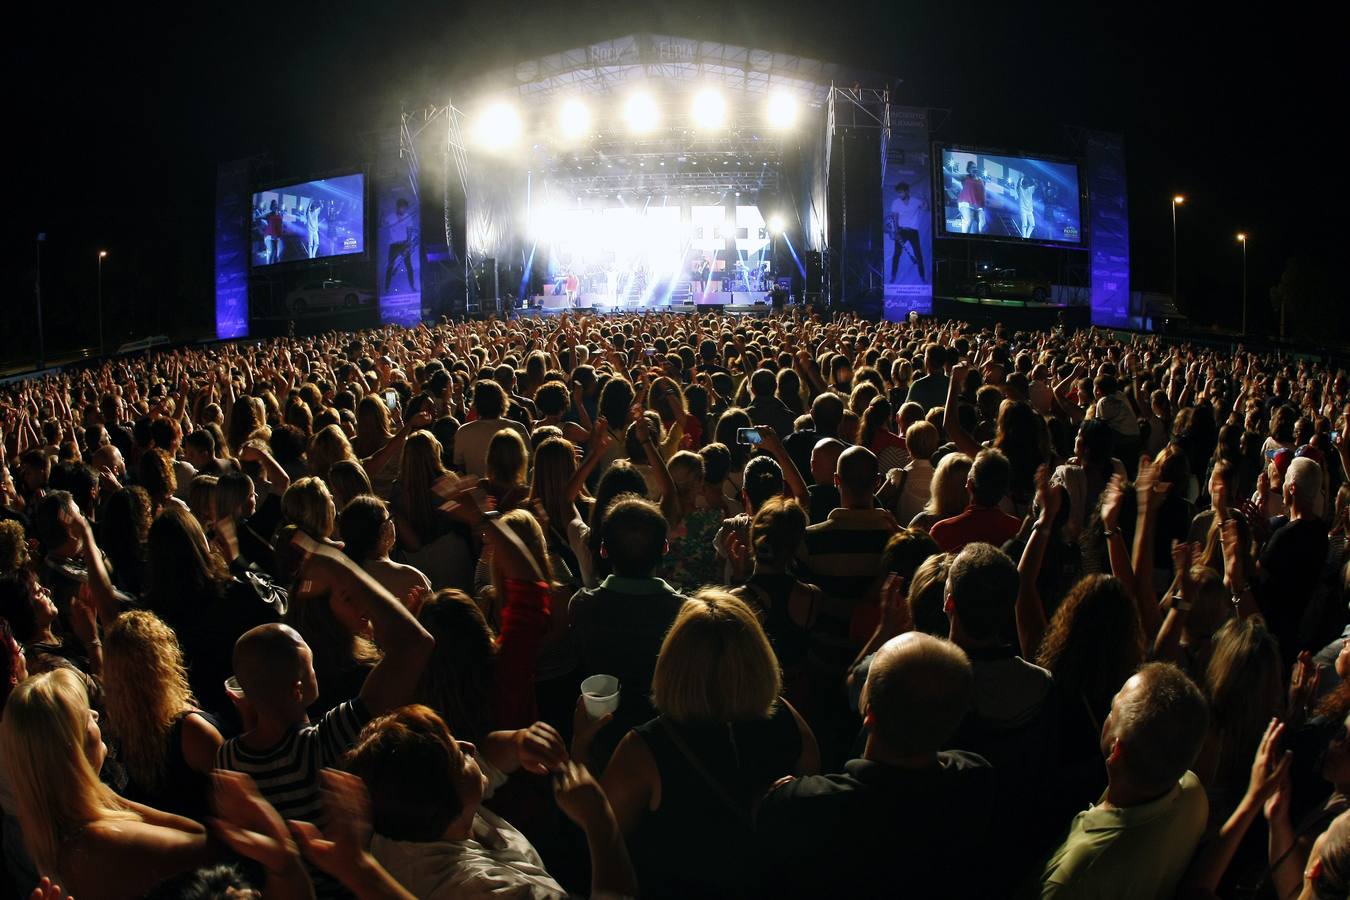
{"type": "Point", "coordinates": [123, 115]}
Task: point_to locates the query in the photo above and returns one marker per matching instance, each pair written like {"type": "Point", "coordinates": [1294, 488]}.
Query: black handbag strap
{"type": "Point", "coordinates": [708, 779]}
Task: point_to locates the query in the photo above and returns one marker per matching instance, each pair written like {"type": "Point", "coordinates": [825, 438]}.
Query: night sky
{"type": "Point", "coordinates": [123, 116]}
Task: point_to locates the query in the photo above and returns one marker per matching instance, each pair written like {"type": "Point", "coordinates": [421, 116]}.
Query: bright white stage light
{"type": "Point", "coordinates": [782, 110]}
{"type": "Point", "coordinates": [710, 110]}
{"type": "Point", "coordinates": [640, 112]}
{"type": "Point", "coordinates": [776, 225]}
{"type": "Point", "coordinates": [574, 119]}
{"type": "Point", "coordinates": [498, 126]}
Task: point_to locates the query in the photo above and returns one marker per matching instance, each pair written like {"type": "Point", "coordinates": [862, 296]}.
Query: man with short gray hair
{"type": "Point", "coordinates": [1138, 839]}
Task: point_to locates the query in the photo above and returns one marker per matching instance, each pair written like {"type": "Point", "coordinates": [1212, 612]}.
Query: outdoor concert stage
{"type": "Point", "coordinates": [661, 172]}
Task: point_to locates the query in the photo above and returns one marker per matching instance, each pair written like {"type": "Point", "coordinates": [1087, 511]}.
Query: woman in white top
{"type": "Point", "coordinates": [913, 482]}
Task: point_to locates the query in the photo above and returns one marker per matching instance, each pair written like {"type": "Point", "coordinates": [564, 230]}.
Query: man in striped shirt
{"type": "Point", "coordinates": [282, 750]}
{"type": "Point", "coordinates": [842, 554]}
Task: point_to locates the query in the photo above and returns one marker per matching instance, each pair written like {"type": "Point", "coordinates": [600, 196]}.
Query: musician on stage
{"type": "Point", "coordinates": [272, 233]}
{"type": "Point", "coordinates": [971, 200]}
{"type": "Point", "coordinates": [700, 275]}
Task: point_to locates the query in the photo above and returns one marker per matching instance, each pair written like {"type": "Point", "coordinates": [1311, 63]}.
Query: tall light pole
{"type": "Point", "coordinates": [102, 255]}
{"type": "Point", "coordinates": [37, 289]}
{"type": "Point", "coordinates": [1242, 239]}
{"type": "Point", "coordinates": [1177, 200]}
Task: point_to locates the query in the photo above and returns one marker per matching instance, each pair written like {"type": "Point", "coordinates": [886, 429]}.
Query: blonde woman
{"type": "Point", "coordinates": [167, 743]}
{"type": "Point", "coordinates": [76, 830]}
{"type": "Point", "coordinates": [683, 785]}
{"type": "Point", "coordinates": [308, 504]}
{"type": "Point", "coordinates": [948, 495]}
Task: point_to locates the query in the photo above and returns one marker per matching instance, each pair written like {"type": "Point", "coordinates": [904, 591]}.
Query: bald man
{"type": "Point", "coordinates": [907, 818]}
{"type": "Point", "coordinates": [823, 492]}
{"type": "Point", "coordinates": [281, 749]}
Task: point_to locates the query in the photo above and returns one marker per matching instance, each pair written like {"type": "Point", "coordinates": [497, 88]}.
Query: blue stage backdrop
{"type": "Point", "coordinates": [232, 249]}
{"type": "Point", "coordinates": [398, 251]}
{"type": "Point", "coordinates": [906, 202]}
{"type": "Point", "coordinates": [1109, 234]}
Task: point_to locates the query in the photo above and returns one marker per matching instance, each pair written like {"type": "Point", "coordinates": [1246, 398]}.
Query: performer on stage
{"type": "Point", "coordinates": [1026, 191]}
{"type": "Point", "coordinates": [272, 232]}
{"type": "Point", "coordinates": [906, 214]}
{"type": "Point", "coordinates": [700, 275]}
{"type": "Point", "coordinates": [971, 201]}
{"type": "Point", "coordinates": [312, 220]}
{"type": "Point", "coordinates": [402, 238]}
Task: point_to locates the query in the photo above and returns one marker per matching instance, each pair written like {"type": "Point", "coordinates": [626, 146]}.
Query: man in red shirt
{"type": "Point", "coordinates": [971, 200]}
{"type": "Point", "coordinates": [982, 521]}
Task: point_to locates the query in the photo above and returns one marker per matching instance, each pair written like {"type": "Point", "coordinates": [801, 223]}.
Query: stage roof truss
{"type": "Point", "coordinates": [607, 67]}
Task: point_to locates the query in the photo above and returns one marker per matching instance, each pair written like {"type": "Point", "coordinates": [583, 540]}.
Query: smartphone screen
{"type": "Point", "coordinates": [748, 436]}
{"type": "Point", "coordinates": [391, 399]}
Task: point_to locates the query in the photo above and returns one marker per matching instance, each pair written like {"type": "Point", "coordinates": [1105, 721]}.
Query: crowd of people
{"type": "Point", "coordinates": [894, 609]}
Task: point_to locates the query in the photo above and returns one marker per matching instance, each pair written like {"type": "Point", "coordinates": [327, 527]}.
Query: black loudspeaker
{"type": "Point", "coordinates": [815, 272]}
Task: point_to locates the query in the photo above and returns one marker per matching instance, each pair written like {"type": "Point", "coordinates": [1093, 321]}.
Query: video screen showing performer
{"type": "Point", "coordinates": [905, 219]}
{"type": "Point", "coordinates": [1010, 196]}
{"type": "Point", "coordinates": [310, 220]}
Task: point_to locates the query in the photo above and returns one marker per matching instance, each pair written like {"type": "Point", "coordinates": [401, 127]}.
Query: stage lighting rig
{"type": "Point", "coordinates": [574, 119]}
{"type": "Point", "coordinates": [710, 109]}
{"type": "Point", "coordinates": [776, 224]}
{"type": "Point", "coordinates": [640, 112]}
{"type": "Point", "coordinates": [782, 110]}
{"type": "Point", "coordinates": [498, 126]}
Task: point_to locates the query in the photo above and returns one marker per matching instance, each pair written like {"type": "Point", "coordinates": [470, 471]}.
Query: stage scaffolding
{"type": "Point", "coordinates": [853, 108]}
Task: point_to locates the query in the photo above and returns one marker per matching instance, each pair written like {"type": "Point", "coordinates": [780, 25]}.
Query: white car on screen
{"type": "Point", "coordinates": [327, 295]}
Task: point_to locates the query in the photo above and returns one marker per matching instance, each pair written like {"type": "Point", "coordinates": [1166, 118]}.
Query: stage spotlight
{"type": "Point", "coordinates": [640, 112]}
{"type": "Point", "coordinates": [710, 110]}
{"type": "Point", "coordinates": [776, 225]}
{"type": "Point", "coordinates": [498, 126]}
{"type": "Point", "coordinates": [574, 119]}
{"type": "Point", "coordinates": [782, 110]}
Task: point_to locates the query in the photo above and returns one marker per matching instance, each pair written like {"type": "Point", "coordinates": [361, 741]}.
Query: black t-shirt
{"type": "Point", "coordinates": [799, 445]}
{"type": "Point", "coordinates": [879, 831]}
{"type": "Point", "coordinates": [1292, 563]}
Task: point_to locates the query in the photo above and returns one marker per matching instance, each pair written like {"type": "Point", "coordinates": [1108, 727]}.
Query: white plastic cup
{"type": "Point", "coordinates": [600, 693]}
{"type": "Point", "coordinates": [233, 689]}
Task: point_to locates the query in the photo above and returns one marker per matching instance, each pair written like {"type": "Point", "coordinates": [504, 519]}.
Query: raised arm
{"type": "Point", "coordinates": [1268, 771]}
{"type": "Point", "coordinates": [792, 478]}
{"type": "Point", "coordinates": [406, 643]}
{"type": "Point", "coordinates": [595, 450]}
{"type": "Point", "coordinates": [951, 421]}
{"type": "Point", "coordinates": [669, 494]}
{"type": "Point", "coordinates": [1030, 611]}
{"type": "Point", "coordinates": [1150, 495]}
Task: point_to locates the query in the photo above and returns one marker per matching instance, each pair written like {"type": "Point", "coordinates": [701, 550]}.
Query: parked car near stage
{"type": "Point", "coordinates": [1006, 284]}
{"type": "Point", "coordinates": [325, 295]}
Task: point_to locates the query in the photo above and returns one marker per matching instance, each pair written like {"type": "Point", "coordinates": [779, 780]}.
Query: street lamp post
{"type": "Point", "coordinates": [1176, 201]}
{"type": "Point", "coordinates": [102, 255]}
{"type": "Point", "coordinates": [1242, 239]}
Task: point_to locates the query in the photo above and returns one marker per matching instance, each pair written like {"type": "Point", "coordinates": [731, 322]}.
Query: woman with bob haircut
{"type": "Point", "coordinates": [166, 742]}
{"type": "Point", "coordinates": [683, 785]}
{"type": "Point", "coordinates": [77, 831]}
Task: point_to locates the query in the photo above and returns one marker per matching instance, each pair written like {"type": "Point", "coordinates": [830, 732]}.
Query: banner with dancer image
{"type": "Point", "coordinates": [398, 250]}
{"type": "Point", "coordinates": [906, 204]}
